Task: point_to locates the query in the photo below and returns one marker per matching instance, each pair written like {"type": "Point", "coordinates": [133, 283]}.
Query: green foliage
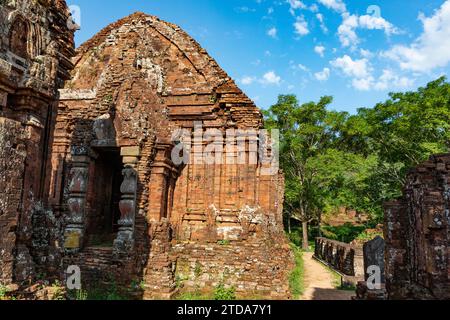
{"type": "Point", "coordinates": [334, 159]}
{"type": "Point", "coordinates": [307, 132]}
{"type": "Point", "coordinates": [59, 291]}
{"type": "Point", "coordinates": [3, 292]}
{"type": "Point", "coordinates": [345, 233]}
{"type": "Point", "coordinates": [296, 278]}
{"type": "Point", "coordinates": [80, 295]}
{"type": "Point", "coordinates": [137, 285]}
{"type": "Point", "coordinates": [224, 242]}
{"type": "Point", "coordinates": [179, 280]}
{"type": "Point", "coordinates": [223, 293]}
{"type": "Point", "coordinates": [192, 296]}
{"type": "Point", "coordinates": [198, 269]}
{"type": "Point", "coordinates": [365, 236]}
{"type": "Point", "coordinates": [98, 292]}
{"type": "Point", "coordinates": [295, 237]}
{"type": "Point", "coordinates": [403, 132]}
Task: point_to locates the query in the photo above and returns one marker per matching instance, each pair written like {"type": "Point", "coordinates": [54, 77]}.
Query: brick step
{"type": "Point", "coordinates": [93, 264]}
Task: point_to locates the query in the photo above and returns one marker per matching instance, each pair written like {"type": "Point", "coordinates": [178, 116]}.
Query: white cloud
{"type": "Point", "coordinates": [377, 23]}
{"type": "Point", "coordinates": [347, 30]}
{"type": "Point", "coordinates": [323, 75]}
{"type": "Point", "coordinates": [363, 84]}
{"type": "Point", "coordinates": [295, 5]}
{"type": "Point", "coordinates": [271, 78]}
{"type": "Point", "coordinates": [387, 81]}
{"type": "Point", "coordinates": [297, 67]}
{"type": "Point", "coordinates": [244, 9]}
{"type": "Point", "coordinates": [354, 68]}
{"type": "Point", "coordinates": [431, 49]}
{"type": "Point", "coordinates": [320, 50]}
{"type": "Point", "coordinates": [301, 26]}
{"type": "Point", "coordinates": [270, 10]}
{"type": "Point", "coordinates": [302, 67]}
{"type": "Point", "coordinates": [366, 53]}
{"type": "Point", "coordinates": [361, 73]}
{"type": "Point", "coordinates": [321, 19]}
{"type": "Point", "coordinates": [247, 80]}
{"type": "Point", "coordinates": [336, 5]}
{"type": "Point", "coordinates": [390, 80]}
{"type": "Point", "coordinates": [272, 32]}
{"type": "Point", "coordinates": [313, 8]}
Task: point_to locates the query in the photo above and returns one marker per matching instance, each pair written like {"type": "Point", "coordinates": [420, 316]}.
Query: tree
{"type": "Point", "coordinates": [403, 132]}
{"type": "Point", "coordinates": [306, 132]}
{"type": "Point", "coordinates": [333, 159]}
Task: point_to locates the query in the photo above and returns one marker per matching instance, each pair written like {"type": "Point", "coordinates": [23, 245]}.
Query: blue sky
{"type": "Point", "coordinates": [355, 50]}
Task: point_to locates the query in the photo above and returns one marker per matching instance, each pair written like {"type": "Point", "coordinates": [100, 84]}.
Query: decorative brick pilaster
{"type": "Point", "coordinates": [125, 237]}
{"type": "Point", "coordinates": [160, 182]}
{"type": "Point", "coordinates": [79, 176]}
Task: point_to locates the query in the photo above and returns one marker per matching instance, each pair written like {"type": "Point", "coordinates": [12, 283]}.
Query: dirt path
{"type": "Point", "coordinates": [319, 282]}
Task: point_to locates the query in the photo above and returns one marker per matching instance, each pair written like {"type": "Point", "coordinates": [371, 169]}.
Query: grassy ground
{"type": "Point", "coordinates": [296, 278]}
{"type": "Point", "coordinates": [220, 292]}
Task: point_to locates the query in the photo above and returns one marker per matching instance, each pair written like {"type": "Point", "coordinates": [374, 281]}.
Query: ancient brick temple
{"type": "Point", "coordinates": [88, 176]}
{"type": "Point", "coordinates": [417, 234]}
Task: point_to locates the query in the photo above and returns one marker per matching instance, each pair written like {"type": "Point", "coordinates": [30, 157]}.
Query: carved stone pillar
{"type": "Point", "coordinates": [79, 176]}
{"type": "Point", "coordinates": [125, 237]}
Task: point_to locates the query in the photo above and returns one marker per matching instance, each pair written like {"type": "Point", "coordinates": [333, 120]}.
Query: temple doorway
{"type": "Point", "coordinates": [104, 214]}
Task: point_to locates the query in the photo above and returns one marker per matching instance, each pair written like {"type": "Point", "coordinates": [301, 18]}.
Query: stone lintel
{"type": "Point", "coordinates": [130, 151]}
{"type": "Point", "coordinates": [81, 94]}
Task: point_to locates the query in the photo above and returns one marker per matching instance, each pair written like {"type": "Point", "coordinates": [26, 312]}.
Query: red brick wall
{"type": "Point", "coordinates": [417, 234]}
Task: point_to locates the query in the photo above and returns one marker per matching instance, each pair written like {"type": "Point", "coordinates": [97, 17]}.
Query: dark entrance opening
{"type": "Point", "coordinates": [105, 214]}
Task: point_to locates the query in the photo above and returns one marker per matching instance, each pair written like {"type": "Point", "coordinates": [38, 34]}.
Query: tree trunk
{"type": "Point", "coordinates": [320, 225]}
{"type": "Point", "coordinates": [305, 243]}
{"type": "Point", "coordinates": [289, 223]}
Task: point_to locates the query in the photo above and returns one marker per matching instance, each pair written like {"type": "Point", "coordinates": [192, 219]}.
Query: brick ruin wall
{"type": "Point", "coordinates": [417, 234]}
{"type": "Point", "coordinates": [35, 50]}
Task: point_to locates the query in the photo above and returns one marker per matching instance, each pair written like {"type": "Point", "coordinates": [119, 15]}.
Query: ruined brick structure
{"type": "Point", "coordinates": [35, 50]}
{"type": "Point", "coordinates": [347, 259]}
{"type": "Point", "coordinates": [110, 199]}
{"type": "Point", "coordinates": [417, 234]}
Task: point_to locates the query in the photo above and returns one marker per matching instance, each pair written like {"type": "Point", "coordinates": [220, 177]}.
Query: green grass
{"type": "Point", "coordinates": [186, 296]}
{"type": "Point", "coordinates": [99, 292]}
{"type": "Point", "coordinates": [221, 292]}
{"type": "Point", "coordinates": [296, 278]}
{"type": "Point", "coordinates": [3, 292]}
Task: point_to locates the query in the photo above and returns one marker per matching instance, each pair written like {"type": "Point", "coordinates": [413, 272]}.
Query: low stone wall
{"type": "Point", "coordinates": [253, 269]}
{"type": "Point", "coordinates": [345, 258]}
